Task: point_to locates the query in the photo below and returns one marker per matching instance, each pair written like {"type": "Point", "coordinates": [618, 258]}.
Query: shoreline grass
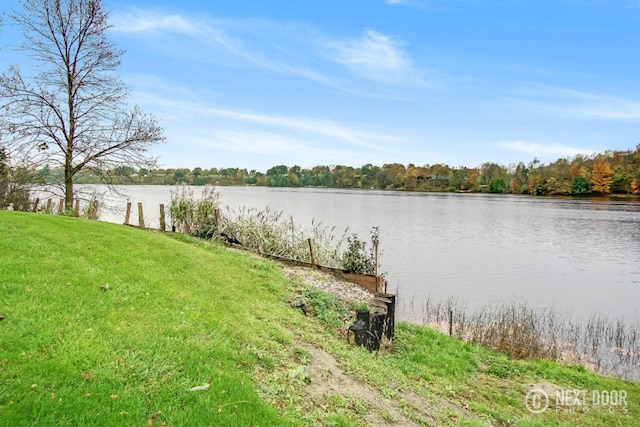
{"type": "Point", "coordinates": [602, 344]}
{"type": "Point", "coordinates": [180, 313]}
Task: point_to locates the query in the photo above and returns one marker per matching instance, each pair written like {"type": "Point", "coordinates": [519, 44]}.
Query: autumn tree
{"type": "Point", "coordinates": [411, 176]}
{"type": "Point", "coordinates": [71, 111]}
{"type": "Point", "coordinates": [601, 175]}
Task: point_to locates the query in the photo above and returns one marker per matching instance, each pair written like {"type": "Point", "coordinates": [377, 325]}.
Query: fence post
{"type": "Point", "coordinates": [76, 211]}
{"type": "Point", "coordinates": [94, 210]}
{"type": "Point", "coordinates": [61, 207]}
{"type": "Point", "coordinates": [127, 216]}
{"type": "Point", "coordinates": [187, 220]}
{"type": "Point", "coordinates": [377, 255]}
{"type": "Point", "coordinates": [376, 331]}
{"type": "Point", "coordinates": [360, 329]}
{"type": "Point", "coordinates": [313, 260]}
{"type": "Point", "coordinates": [48, 208]}
{"type": "Point", "coordinates": [35, 205]}
{"type": "Point", "coordinates": [163, 221]}
{"type": "Point", "coordinates": [450, 322]}
{"type": "Point", "coordinates": [218, 225]}
{"type": "Point", "coordinates": [389, 301]}
{"type": "Point", "coordinates": [140, 215]}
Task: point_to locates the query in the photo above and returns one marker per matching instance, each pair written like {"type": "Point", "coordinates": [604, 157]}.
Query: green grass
{"type": "Point", "coordinates": [179, 313]}
{"type": "Point", "coordinates": [173, 317]}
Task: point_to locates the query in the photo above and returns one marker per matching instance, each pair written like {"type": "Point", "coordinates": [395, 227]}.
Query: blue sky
{"type": "Point", "coordinates": [253, 84]}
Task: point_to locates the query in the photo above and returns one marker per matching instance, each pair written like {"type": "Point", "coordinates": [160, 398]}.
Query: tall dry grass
{"type": "Point", "coordinates": [273, 233]}
{"type": "Point", "coordinates": [605, 345]}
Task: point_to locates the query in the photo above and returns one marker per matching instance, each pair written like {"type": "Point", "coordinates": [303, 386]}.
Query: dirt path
{"type": "Point", "coordinates": [329, 381]}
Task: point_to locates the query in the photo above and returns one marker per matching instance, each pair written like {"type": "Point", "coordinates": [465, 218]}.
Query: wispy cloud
{"type": "Point", "coordinates": [205, 33]}
{"type": "Point", "coordinates": [575, 104]}
{"type": "Point", "coordinates": [281, 133]}
{"type": "Point", "coordinates": [140, 20]}
{"type": "Point", "coordinates": [326, 128]}
{"type": "Point", "coordinates": [543, 150]}
{"type": "Point", "coordinates": [375, 56]}
{"type": "Point", "coordinates": [291, 49]}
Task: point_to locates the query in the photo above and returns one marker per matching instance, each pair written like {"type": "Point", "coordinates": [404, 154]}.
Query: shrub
{"type": "Point", "coordinates": [356, 258]}
{"type": "Point", "coordinates": [13, 185]}
{"type": "Point", "coordinates": [191, 215]}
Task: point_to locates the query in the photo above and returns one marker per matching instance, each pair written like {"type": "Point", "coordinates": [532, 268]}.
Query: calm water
{"type": "Point", "coordinates": [580, 256]}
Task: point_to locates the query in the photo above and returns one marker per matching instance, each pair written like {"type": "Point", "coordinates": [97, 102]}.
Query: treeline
{"type": "Point", "coordinates": [611, 172]}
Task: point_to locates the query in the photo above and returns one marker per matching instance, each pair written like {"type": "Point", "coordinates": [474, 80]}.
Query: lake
{"type": "Point", "coordinates": [580, 256]}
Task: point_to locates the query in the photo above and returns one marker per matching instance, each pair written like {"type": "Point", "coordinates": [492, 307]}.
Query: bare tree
{"type": "Point", "coordinates": [71, 112]}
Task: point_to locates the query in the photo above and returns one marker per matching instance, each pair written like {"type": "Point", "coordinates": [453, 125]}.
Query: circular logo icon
{"type": "Point", "coordinates": [536, 401]}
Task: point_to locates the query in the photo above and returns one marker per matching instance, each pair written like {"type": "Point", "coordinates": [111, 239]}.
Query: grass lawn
{"type": "Point", "coordinates": [106, 325]}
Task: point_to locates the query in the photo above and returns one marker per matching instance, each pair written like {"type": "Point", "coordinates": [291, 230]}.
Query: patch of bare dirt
{"type": "Point", "coordinates": [409, 408]}
{"type": "Point", "coordinates": [329, 380]}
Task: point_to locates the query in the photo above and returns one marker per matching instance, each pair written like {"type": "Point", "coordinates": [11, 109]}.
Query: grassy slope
{"type": "Point", "coordinates": [179, 314]}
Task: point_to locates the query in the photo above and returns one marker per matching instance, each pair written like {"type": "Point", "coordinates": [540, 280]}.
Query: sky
{"type": "Point", "coordinates": [254, 84]}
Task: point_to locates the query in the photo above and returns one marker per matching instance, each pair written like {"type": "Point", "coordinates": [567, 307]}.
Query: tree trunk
{"type": "Point", "coordinates": [68, 186]}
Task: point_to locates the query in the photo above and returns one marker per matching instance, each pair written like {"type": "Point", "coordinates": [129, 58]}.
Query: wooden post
{"type": "Point", "coordinates": [376, 330]}
{"type": "Point", "coordinates": [313, 260]}
{"type": "Point", "coordinates": [76, 211]}
{"type": "Point", "coordinates": [127, 216]}
{"type": "Point", "coordinates": [61, 207]}
{"type": "Point", "coordinates": [48, 208]}
{"type": "Point", "coordinates": [450, 322]}
{"type": "Point", "coordinates": [94, 210]}
{"type": "Point", "coordinates": [163, 221]}
{"type": "Point", "coordinates": [35, 205]}
{"type": "Point", "coordinates": [218, 224]}
{"type": "Point", "coordinates": [378, 284]}
{"type": "Point", "coordinates": [140, 215]}
{"type": "Point", "coordinates": [187, 220]}
{"type": "Point", "coordinates": [361, 327]}
{"type": "Point", "coordinates": [389, 303]}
